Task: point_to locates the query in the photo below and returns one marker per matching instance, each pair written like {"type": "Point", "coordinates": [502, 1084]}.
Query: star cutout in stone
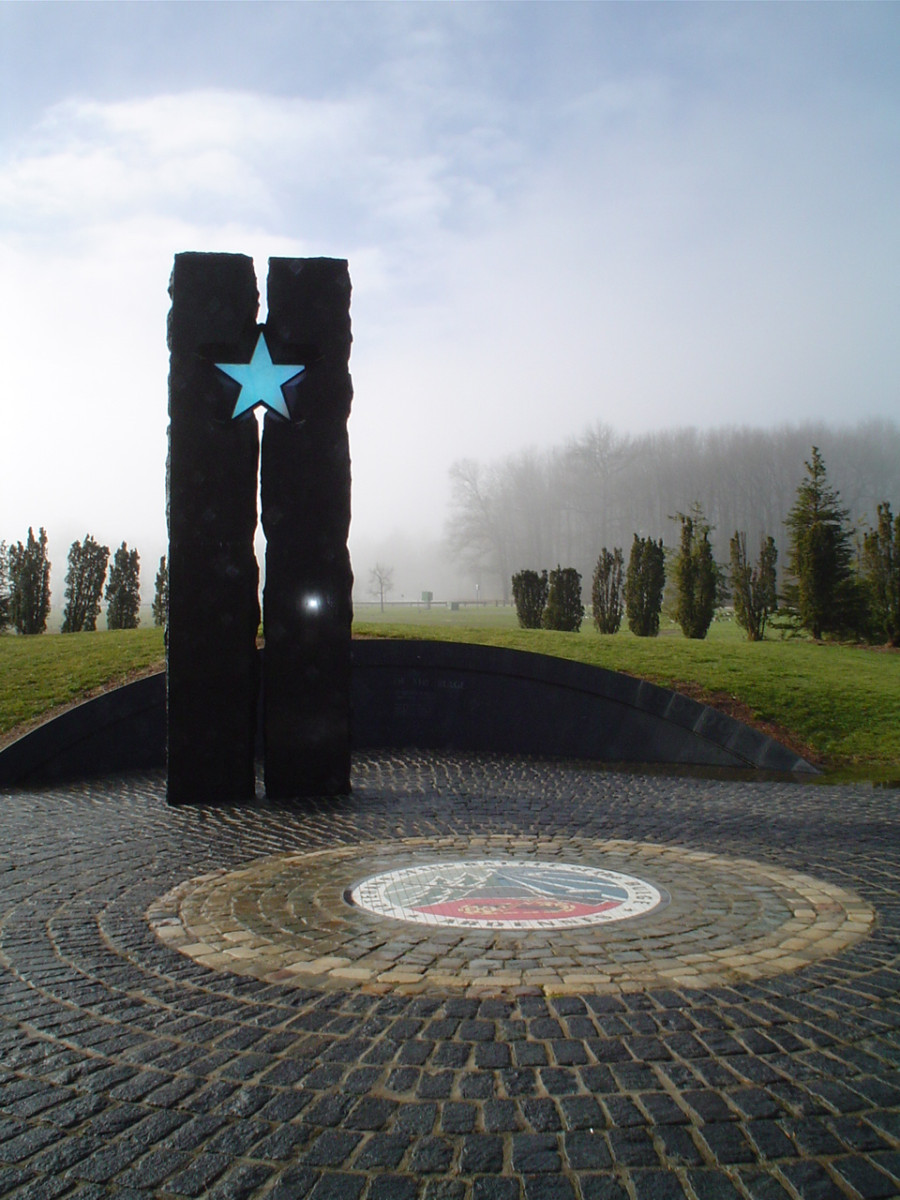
{"type": "Point", "coordinates": [261, 381]}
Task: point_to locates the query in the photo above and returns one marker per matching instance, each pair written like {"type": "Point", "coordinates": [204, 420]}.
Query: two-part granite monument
{"type": "Point", "coordinates": [223, 366]}
{"type": "Point", "coordinates": [221, 705]}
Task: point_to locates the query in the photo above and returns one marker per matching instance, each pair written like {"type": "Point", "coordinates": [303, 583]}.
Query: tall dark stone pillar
{"type": "Point", "coordinates": [307, 605]}
{"type": "Point", "coordinates": [212, 675]}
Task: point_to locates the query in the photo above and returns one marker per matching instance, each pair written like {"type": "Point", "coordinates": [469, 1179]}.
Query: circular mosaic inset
{"type": "Point", "coordinates": [498, 893]}
{"type": "Point", "coordinates": [285, 919]}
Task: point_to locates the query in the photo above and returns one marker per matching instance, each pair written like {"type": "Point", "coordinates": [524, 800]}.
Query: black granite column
{"type": "Point", "coordinates": [307, 605]}
{"type": "Point", "coordinates": [212, 676]}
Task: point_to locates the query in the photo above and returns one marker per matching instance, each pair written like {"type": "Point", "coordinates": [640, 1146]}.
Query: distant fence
{"type": "Point", "coordinates": [452, 604]}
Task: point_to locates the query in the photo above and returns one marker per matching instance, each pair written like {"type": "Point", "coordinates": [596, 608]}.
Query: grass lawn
{"type": "Point", "coordinates": [838, 704]}
{"type": "Point", "coordinates": [40, 673]}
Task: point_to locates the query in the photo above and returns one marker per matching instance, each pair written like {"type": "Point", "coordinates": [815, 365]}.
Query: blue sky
{"type": "Point", "coordinates": [555, 214]}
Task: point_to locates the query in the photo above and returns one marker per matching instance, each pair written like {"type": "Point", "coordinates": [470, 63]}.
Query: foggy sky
{"type": "Point", "coordinates": [554, 214]}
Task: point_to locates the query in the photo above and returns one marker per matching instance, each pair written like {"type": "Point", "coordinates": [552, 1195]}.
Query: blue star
{"type": "Point", "coordinates": [261, 381]}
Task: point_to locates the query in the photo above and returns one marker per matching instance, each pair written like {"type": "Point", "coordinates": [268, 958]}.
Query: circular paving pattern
{"type": "Point", "coordinates": [708, 920]}
{"type": "Point", "coordinates": [130, 1070]}
{"type": "Point", "coordinates": [503, 893]}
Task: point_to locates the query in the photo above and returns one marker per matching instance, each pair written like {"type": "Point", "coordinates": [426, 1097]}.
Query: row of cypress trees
{"type": "Point", "coordinates": [25, 586]}
{"type": "Point", "coordinates": [637, 593]}
{"type": "Point", "coordinates": [833, 586]}
{"type": "Point", "coordinates": [549, 601]}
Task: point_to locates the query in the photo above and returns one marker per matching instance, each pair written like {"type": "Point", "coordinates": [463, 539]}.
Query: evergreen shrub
{"type": "Point", "coordinates": [84, 585]}
{"type": "Point", "coordinates": [820, 553]}
{"type": "Point", "coordinates": [123, 591]}
{"type": "Point", "coordinates": [564, 610]}
{"type": "Point", "coordinates": [753, 588]}
{"type": "Point", "coordinates": [606, 590]}
{"type": "Point", "coordinates": [696, 576]}
{"type": "Point", "coordinates": [29, 583]}
{"type": "Point", "coordinates": [881, 569]}
{"type": "Point", "coordinates": [645, 581]}
{"type": "Point", "coordinates": [530, 596]}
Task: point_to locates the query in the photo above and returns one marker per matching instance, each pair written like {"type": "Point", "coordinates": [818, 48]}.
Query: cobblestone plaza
{"type": "Point", "coordinates": [189, 1006]}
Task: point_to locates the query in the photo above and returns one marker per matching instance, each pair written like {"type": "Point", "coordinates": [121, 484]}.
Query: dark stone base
{"type": "Point", "coordinates": [440, 696]}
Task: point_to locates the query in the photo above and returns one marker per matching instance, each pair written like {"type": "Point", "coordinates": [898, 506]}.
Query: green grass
{"type": "Point", "coordinates": [840, 702]}
{"type": "Point", "coordinates": [41, 673]}
{"type": "Point", "coordinates": [439, 616]}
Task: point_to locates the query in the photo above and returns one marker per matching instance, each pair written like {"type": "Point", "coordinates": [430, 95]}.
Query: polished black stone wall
{"type": "Point", "coordinates": [212, 513]}
{"type": "Point", "coordinates": [307, 606]}
{"type": "Point", "coordinates": [439, 696]}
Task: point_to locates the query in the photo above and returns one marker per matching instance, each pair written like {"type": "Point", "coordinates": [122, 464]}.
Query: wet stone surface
{"type": "Point", "coordinates": [288, 918]}
{"type": "Point", "coordinates": [130, 1066]}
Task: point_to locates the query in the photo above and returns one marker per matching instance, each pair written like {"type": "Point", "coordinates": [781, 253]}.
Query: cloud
{"type": "Point", "coordinates": [95, 205]}
{"type": "Point", "coordinates": [196, 155]}
{"type": "Point", "coordinates": [649, 227]}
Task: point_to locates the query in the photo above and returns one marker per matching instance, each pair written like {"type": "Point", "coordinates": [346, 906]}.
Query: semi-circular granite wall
{"type": "Point", "coordinates": [440, 696]}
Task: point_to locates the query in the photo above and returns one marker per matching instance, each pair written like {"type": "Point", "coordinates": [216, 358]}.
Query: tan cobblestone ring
{"type": "Point", "coordinates": [285, 919]}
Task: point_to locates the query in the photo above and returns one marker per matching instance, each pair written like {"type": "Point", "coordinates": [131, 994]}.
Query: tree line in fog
{"type": "Point", "coordinates": [564, 503]}
{"type": "Point", "coordinates": [25, 586]}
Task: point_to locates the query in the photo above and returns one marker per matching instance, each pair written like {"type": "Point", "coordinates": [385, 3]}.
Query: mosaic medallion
{"type": "Point", "coordinates": [549, 917]}
{"type": "Point", "coordinates": [496, 893]}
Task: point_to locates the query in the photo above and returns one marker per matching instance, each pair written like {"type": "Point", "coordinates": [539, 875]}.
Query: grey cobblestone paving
{"type": "Point", "coordinates": [128, 1068]}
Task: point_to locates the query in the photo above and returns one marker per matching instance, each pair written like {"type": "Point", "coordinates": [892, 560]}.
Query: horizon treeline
{"type": "Point", "coordinates": [25, 586]}
{"type": "Point", "coordinates": [564, 503]}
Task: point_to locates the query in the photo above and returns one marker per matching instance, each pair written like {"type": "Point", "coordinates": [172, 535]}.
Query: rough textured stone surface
{"type": "Point", "coordinates": [129, 1069]}
{"type": "Point", "coordinates": [307, 607]}
{"type": "Point", "coordinates": [211, 495]}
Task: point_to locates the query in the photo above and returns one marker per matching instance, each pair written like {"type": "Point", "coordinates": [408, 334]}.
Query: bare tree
{"type": "Point", "coordinates": [477, 537]}
{"type": "Point", "coordinates": [381, 582]}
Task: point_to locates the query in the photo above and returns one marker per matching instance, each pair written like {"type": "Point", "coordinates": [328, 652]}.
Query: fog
{"type": "Point", "coordinates": [555, 215]}
{"type": "Point", "coordinates": [562, 504]}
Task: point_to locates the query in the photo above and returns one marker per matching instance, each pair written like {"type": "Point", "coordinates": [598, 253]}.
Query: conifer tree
{"type": "Point", "coordinates": [564, 610]}
{"type": "Point", "coordinates": [161, 594]}
{"type": "Point", "coordinates": [644, 584]}
{"type": "Point", "coordinates": [820, 554]}
{"type": "Point", "coordinates": [696, 576]}
{"type": "Point", "coordinates": [84, 585]}
{"type": "Point", "coordinates": [4, 587]}
{"type": "Point", "coordinates": [29, 582]}
{"type": "Point", "coordinates": [753, 588]}
{"type": "Point", "coordinates": [123, 591]}
{"type": "Point", "coordinates": [530, 596]}
{"type": "Point", "coordinates": [606, 590]}
{"type": "Point", "coordinates": [881, 568]}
